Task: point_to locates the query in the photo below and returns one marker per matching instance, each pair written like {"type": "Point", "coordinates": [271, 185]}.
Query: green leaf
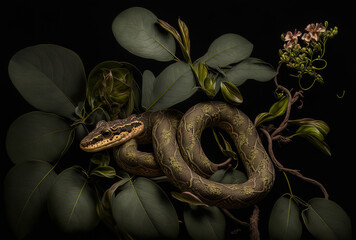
{"type": "Point", "coordinates": [204, 222]}
{"type": "Point", "coordinates": [276, 110]}
{"type": "Point", "coordinates": [38, 136]}
{"type": "Point", "coordinates": [314, 136]}
{"type": "Point", "coordinates": [280, 107]}
{"type": "Point", "coordinates": [227, 49]}
{"type": "Point", "coordinates": [104, 207]}
{"type": "Point", "coordinates": [173, 85]}
{"type": "Point", "coordinates": [101, 158]}
{"type": "Point", "coordinates": [231, 93]}
{"type": "Point", "coordinates": [229, 176]}
{"type": "Point", "coordinates": [188, 197]}
{"type": "Point", "coordinates": [104, 171]}
{"type": "Point", "coordinates": [111, 85]}
{"type": "Point", "coordinates": [171, 30]}
{"type": "Point", "coordinates": [144, 211]}
{"type": "Point", "coordinates": [284, 221]}
{"type": "Point", "coordinates": [319, 124]}
{"type": "Point", "coordinates": [202, 73]}
{"type": "Point", "coordinates": [250, 68]}
{"type": "Point", "coordinates": [136, 30]}
{"type": "Point", "coordinates": [326, 220]}
{"type": "Point", "coordinates": [26, 189]}
{"type": "Point", "coordinates": [185, 38]}
{"type": "Point", "coordinates": [227, 150]}
{"type": "Point", "coordinates": [72, 202]}
{"type": "Point", "coordinates": [49, 77]}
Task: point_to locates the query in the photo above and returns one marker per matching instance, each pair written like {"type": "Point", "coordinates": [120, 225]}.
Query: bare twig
{"type": "Point", "coordinates": [253, 225]}
{"type": "Point", "coordinates": [288, 170]}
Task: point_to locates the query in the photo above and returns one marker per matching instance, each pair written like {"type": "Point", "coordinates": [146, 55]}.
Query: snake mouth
{"type": "Point", "coordinates": [100, 143]}
{"type": "Point", "coordinates": [111, 137]}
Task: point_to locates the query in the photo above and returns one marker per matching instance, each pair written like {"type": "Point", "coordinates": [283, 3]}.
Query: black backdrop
{"type": "Point", "coordinates": [86, 29]}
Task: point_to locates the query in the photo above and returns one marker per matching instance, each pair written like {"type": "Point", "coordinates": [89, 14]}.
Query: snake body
{"type": "Point", "coordinates": [178, 153]}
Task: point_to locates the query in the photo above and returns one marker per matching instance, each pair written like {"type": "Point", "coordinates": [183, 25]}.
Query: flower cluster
{"type": "Point", "coordinates": [306, 57]}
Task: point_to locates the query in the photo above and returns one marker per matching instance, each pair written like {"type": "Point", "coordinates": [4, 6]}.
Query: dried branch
{"type": "Point", "coordinates": [288, 170]}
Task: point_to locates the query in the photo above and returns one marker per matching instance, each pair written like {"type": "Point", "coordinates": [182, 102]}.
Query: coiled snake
{"type": "Point", "coordinates": [178, 152]}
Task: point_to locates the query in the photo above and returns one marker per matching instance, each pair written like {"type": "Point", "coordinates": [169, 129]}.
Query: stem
{"type": "Point", "coordinates": [288, 170]}
{"type": "Point", "coordinates": [283, 125]}
{"type": "Point", "coordinates": [290, 189]}
{"type": "Point", "coordinates": [232, 217]}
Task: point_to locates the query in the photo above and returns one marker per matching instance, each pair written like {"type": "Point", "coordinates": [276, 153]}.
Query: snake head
{"type": "Point", "coordinates": [111, 134]}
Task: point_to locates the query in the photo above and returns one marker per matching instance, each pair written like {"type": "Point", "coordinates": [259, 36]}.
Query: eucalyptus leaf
{"type": "Point", "coordinates": [326, 220]}
{"type": "Point", "coordinates": [148, 80]}
{"type": "Point", "coordinates": [284, 221]}
{"type": "Point", "coordinates": [38, 136]}
{"type": "Point", "coordinates": [72, 202]}
{"type": "Point", "coordinates": [173, 85]}
{"type": "Point", "coordinates": [136, 30]}
{"type": "Point", "coordinates": [26, 189]}
{"type": "Point", "coordinates": [250, 68]}
{"type": "Point", "coordinates": [204, 222]}
{"type": "Point", "coordinates": [144, 211]}
{"type": "Point", "coordinates": [227, 49]}
{"type": "Point", "coordinates": [49, 77]}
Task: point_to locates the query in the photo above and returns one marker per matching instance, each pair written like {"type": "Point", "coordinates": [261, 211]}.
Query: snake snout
{"type": "Point", "coordinates": [111, 134]}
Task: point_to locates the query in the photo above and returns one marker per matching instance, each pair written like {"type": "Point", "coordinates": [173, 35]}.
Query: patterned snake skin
{"type": "Point", "coordinates": [178, 153]}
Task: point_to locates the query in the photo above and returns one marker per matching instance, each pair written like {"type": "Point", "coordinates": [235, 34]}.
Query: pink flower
{"type": "Point", "coordinates": [291, 38]}
{"type": "Point", "coordinates": [314, 31]}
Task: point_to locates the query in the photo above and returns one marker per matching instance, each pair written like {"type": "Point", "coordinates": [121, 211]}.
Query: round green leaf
{"type": "Point", "coordinates": [137, 31]}
{"type": "Point", "coordinates": [49, 77]}
{"type": "Point", "coordinates": [38, 136]}
{"type": "Point", "coordinates": [204, 222]}
{"type": "Point", "coordinates": [144, 211]}
{"type": "Point", "coordinates": [173, 85]}
{"type": "Point", "coordinates": [227, 49]}
{"type": "Point", "coordinates": [326, 220]}
{"type": "Point", "coordinates": [284, 221]}
{"type": "Point", "coordinates": [26, 189]}
{"type": "Point", "coordinates": [250, 68]}
{"type": "Point", "coordinates": [72, 202]}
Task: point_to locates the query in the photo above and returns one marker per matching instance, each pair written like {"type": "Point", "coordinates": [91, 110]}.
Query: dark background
{"type": "Point", "coordinates": [86, 29]}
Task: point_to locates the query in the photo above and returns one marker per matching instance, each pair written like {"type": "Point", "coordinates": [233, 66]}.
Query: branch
{"type": "Point", "coordinates": [288, 170]}
{"type": "Point", "coordinates": [253, 225]}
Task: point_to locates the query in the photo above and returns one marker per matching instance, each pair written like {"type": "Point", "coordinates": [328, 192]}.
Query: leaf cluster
{"type": "Point", "coordinates": [311, 129]}
{"type": "Point", "coordinates": [226, 65]}
{"type": "Point", "coordinates": [52, 79]}
{"type": "Point", "coordinates": [323, 218]}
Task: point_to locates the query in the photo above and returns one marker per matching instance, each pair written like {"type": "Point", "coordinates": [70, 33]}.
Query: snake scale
{"type": "Point", "coordinates": [178, 153]}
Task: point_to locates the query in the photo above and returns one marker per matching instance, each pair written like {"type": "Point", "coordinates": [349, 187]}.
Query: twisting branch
{"type": "Point", "coordinates": [253, 225]}
{"type": "Point", "coordinates": [276, 135]}
{"type": "Point", "coordinates": [288, 170]}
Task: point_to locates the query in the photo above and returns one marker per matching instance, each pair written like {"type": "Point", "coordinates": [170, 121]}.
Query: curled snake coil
{"type": "Point", "coordinates": [178, 153]}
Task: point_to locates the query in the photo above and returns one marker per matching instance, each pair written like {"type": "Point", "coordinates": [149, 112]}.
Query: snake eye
{"type": "Point", "coordinates": [106, 133]}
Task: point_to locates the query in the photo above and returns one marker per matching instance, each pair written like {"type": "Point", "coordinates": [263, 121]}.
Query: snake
{"type": "Point", "coordinates": [178, 153]}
